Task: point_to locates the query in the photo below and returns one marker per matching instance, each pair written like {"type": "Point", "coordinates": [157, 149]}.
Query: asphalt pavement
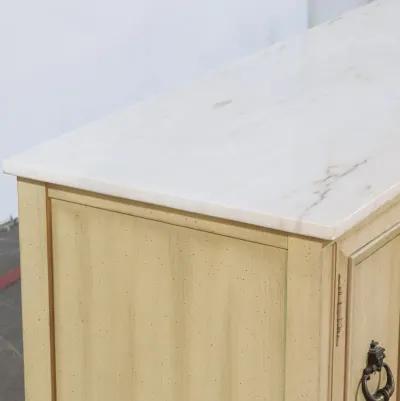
{"type": "Point", "coordinates": [11, 360]}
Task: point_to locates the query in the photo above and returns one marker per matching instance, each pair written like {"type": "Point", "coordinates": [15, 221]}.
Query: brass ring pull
{"type": "Point", "coordinates": [376, 355]}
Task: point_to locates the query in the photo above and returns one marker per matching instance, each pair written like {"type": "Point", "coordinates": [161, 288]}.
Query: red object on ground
{"type": "Point", "coordinates": [10, 278]}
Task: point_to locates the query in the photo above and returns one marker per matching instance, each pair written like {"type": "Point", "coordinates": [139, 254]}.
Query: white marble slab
{"type": "Point", "coordinates": [302, 137]}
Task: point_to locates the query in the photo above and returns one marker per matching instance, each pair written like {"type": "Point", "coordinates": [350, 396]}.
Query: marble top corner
{"type": "Point", "coordinates": [302, 137]}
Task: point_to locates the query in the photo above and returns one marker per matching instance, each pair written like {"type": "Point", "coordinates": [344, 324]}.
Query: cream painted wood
{"type": "Point", "coordinates": [357, 311]}
{"type": "Point", "coordinates": [339, 326]}
{"type": "Point", "coordinates": [165, 312]}
{"type": "Point", "coordinates": [172, 216]}
{"type": "Point", "coordinates": [326, 321]}
{"type": "Point", "coordinates": [36, 291]}
{"type": "Point", "coordinates": [187, 307]}
{"type": "Point", "coordinates": [305, 345]}
{"type": "Point", "coordinates": [373, 310]}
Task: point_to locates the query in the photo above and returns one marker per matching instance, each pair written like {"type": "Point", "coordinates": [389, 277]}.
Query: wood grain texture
{"type": "Point", "coordinates": [157, 312]}
{"type": "Point", "coordinates": [172, 216]}
{"type": "Point", "coordinates": [307, 342]}
{"type": "Point", "coordinates": [374, 311]}
{"type": "Point", "coordinates": [36, 291]}
{"type": "Point", "coordinates": [327, 321]}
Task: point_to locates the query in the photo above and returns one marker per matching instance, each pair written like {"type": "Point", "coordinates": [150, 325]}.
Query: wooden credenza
{"type": "Point", "coordinates": [237, 240]}
{"type": "Point", "coordinates": [127, 301]}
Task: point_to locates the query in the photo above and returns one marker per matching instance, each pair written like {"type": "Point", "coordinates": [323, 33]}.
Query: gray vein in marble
{"type": "Point", "coordinates": [223, 103]}
{"type": "Point", "coordinates": [328, 183]}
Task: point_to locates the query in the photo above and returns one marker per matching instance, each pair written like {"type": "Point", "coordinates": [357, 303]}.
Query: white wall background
{"type": "Point", "coordinates": [64, 63]}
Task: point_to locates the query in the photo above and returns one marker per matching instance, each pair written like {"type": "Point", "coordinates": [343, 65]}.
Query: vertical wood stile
{"type": "Point", "coordinates": [339, 346]}
{"type": "Point", "coordinates": [307, 344]}
{"type": "Point", "coordinates": [36, 291]}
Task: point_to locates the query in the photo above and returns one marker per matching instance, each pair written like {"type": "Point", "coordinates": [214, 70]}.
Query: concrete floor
{"type": "Point", "coordinates": [11, 361]}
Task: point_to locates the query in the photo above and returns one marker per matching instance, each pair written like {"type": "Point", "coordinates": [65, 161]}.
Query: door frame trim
{"type": "Point", "coordinates": [354, 260]}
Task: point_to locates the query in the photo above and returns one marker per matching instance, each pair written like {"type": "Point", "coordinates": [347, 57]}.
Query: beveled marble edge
{"type": "Point", "coordinates": [289, 225]}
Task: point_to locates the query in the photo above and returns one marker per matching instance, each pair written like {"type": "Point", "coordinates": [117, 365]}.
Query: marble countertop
{"type": "Point", "coordinates": [303, 136]}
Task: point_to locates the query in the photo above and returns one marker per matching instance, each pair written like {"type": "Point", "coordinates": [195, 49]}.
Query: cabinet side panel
{"type": "Point", "coordinates": [35, 291]}
{"type": "Point", "coordinates": [303, 328]}
{"type": "Point", "coordinates": [151, 311]}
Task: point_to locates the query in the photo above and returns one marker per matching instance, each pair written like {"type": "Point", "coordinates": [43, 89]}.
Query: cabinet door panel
{"type": "Point", "coordinates": [374, 302]}
{"type": "Point", "coordinates": [148, 311]}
